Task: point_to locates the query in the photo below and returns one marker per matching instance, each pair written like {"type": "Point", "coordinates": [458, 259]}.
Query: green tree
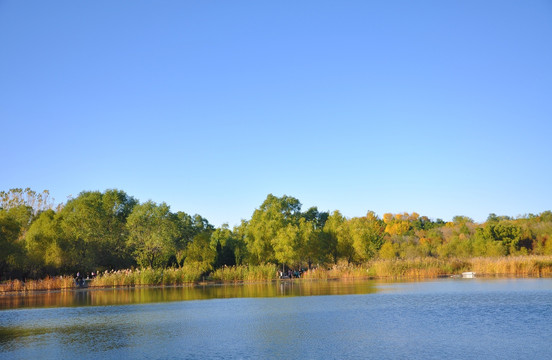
{"type": "Point", "coordinates": [273, 215]}
{"type": "Point", "coordinates": [225, 243]}
{"type": "Point", "coordinates": [45, 246]}
{"type": "Point", "coordinates": [503, 231]}
{"type": "Point", "coordinates": [313, 244]}
{"type": "Point", "coordinates": [316, 217]}
{"type": "Point", "coordinates": [10, 247]}
{"type": "Point", "coordinates": [94, 225]}
{"type": "Point", "coordinates": [153, 232]}
{"type": "Point", "coordinates": [241, 251]}
{"type": "Point", "coordinates": [200, 253]}
{"type": "Point", "coordinates": [287, 244]}
{"type": "Point", "coordinates": [340, 236]}
{"type": "Point", "coordinates": [367, 235]}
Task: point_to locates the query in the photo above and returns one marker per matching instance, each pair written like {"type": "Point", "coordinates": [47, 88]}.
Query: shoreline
{"type": "Point", "coordinates": [395, 269]}
{"type": "Point", "coordinates": [266, 282]}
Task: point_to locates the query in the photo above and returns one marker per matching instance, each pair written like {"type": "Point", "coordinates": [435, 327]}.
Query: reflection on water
{"type": "Point", "coordinates": [441, 319]}
{"type": "Point", "coordinates": [122, 296]}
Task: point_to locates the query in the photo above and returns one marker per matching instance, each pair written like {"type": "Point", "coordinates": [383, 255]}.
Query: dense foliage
{"type": "Point", "coordinates": [111, 230]}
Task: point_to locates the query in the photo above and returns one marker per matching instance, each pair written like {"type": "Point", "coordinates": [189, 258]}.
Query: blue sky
{"type": "Point", "coordinates": [438, 107]}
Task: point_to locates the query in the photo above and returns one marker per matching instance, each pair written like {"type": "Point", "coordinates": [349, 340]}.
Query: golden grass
{"type": "Point", "coordinates": [339, 271]}
{"type": "Point", "coordinates": [149, 276]}
{"type": "Point", "coordinates": [534, 266]}
{"type": "Point", "coordinates": [245, 273]}
{"type": "Point", "coordinates": [46, 284]}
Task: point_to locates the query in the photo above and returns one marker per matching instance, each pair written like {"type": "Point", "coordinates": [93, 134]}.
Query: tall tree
{"type": "Point", "coordinates": [287, 244]}
{"type": "Point", "coordinates": [153, 232]}
{"type": "Point", "coordinates": [200, 253]}
{"type": "Point", "coordinates": [225, 243]}
{"type": "Point", "coordinates": [340, 236]}
{"type": "Point", "coordinates": [262, 230]}
{"type": "Point", "coordinates": [367, 234]}
{"type": "Point", "coordinates": [188, 228]}
{"type": "Point", "coordinates": [94, 225]}
{"type": "Point", "coordinates": [45, 246]}
{"type": "Point", "coordinates": [10, 246]}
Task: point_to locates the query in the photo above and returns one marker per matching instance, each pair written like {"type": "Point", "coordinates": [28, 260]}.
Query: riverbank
{"type": "Point", "coordinates": [518, 266]}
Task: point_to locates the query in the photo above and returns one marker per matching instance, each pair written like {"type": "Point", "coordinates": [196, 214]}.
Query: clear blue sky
{"type": "Point", "coordinates": [438, 107]}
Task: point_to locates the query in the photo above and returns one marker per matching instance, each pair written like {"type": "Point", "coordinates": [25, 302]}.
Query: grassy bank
{"type": "Point", "coordinates": [519, 266]}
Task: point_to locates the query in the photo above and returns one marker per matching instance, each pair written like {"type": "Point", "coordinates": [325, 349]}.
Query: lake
{"type": "Point", "coordinates": [438, 319]}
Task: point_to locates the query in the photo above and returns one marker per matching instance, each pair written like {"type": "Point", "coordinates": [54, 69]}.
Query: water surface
{"type": "Point", "coordinates": [449, 318]}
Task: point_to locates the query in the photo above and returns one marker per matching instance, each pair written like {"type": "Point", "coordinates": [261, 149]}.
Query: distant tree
{"type": "Point", "coordinates": [502, 237]}
{"type": "Point", "coordinates": [495, 218]}
{"type": "Point", "coordinates": [17, 197]}
{"type": "Point", "coordinates": [317, 218]}
{"type": "Point", "coordinates": [459, 219]}
{"type": "Point", "coordinates": [545, 216]}
{"type": "Point", "coordinates": [388, 218]}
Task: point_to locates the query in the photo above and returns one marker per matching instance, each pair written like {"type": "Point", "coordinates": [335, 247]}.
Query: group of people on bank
{"type": "Point", "coordinates": [80, 280]}
{"type": "Point", "coordinates": [290, 274]}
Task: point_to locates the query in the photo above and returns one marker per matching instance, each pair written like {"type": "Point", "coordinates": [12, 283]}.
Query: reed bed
{"type": "Point", "coordinates": [339, 271]}
{"type": "Point", "coordinates": [534, 266]}
{"type": "Point", "coordinates": [149, 276]}
{"type": "Point", "coordinates": [46, 284]}
{"type": "Point", "coordinates": [418, 268]}
{"type": "Point", "coordinates": [245, 273]}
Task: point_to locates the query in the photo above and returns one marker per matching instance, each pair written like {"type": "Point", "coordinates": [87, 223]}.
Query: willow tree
{"type": "Point", "coordinates": [94, 225]}
{"type": "Point", "coordinates": [272, 217]}
{"type": "Point", "coordinates": [287, 245]}
{"type": "Point", "coordinates": [153, 232]}
{"type": "Point", "coordinates": [339, 234]}
{"type": "Point", "coordinates": [45, 246]}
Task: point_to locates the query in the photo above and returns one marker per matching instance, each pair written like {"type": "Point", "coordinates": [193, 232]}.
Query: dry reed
{"type": "Point", "coordinates": [534, 266]}
{"type": "Point", "coordinates": [46, 284]}
{"type": "Point", "coordinates": [245, 273]}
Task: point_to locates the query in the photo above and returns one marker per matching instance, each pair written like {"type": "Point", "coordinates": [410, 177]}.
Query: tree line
{"type": "Point", "coordinates": [112, 230]}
